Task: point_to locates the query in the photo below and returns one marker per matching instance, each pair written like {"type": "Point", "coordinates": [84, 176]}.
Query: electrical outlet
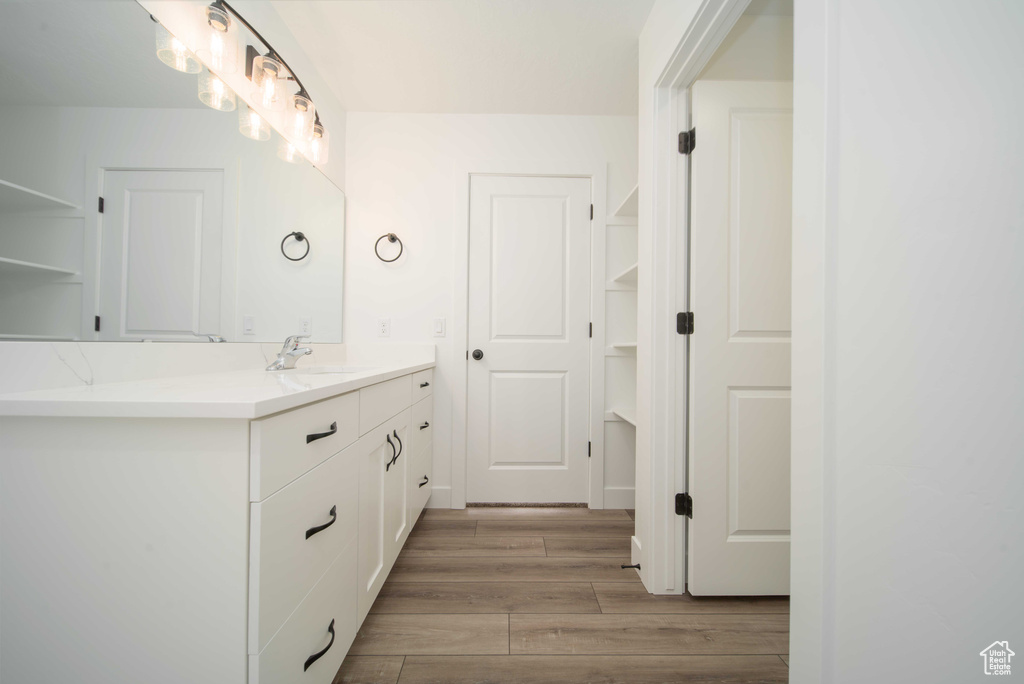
{"type": "Point", "coordinates": [438, 327]}
{"type": "Point", "coordinates": [306, 325]}
{"type": "Point", "coordinates": [383, 327]}
{"type": "Point", "coordinates": [248, 325]}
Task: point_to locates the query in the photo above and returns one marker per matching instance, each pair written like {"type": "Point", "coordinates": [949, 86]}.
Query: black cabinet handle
{"type": "Point", "coordinates": [321, 435]}
{"type": "Point", "coordinates": [424, 384]}
{"type": "Point", "coordinates": [394, 456]}
{"type": "Point", "coordinates": [425, 425]}
{"type": "Point", "coordinates": [319, 654]}
{"type": "Point", "coordinates": [320, 528]}
{"type": "Point", "coordinates": [401, 447]}
{"type": "Point", "coordinates": [425, 480]}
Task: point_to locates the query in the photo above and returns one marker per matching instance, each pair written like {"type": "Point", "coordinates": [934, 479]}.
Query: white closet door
{"type": "Point", "coordinates": [529, 314]}
{"type": "Point", "coordinates": [160, 270]}
{"type": "Point", "coordinates": [740, 350]}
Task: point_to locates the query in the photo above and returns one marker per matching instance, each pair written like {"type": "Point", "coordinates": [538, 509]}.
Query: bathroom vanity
{"type": "Point", "coordinates": [222, 528]}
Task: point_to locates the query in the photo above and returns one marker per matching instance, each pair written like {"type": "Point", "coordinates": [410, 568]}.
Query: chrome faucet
{"type": "Point", "coordinates": [290, 353]}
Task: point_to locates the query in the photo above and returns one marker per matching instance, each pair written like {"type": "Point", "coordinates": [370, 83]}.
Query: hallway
{"type": "Point", "coordinates": [531, 595]}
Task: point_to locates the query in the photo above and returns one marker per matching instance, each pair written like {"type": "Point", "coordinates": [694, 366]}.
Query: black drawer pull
{"type": "Point", "coordinates": [425, 480]}
{"type": "Point", "coordinates": [424, 384]}
{"type": "Point", "coordinates": [425, 425]}
{"type": "Point", "coordinates": [320, 528]}
{"type": "Point", "coordinates": [316, 656]}
{"type": "Point", "coordinates": [401, 447]}
{"type": "Point", "coordinates": [394, 452]}
{"type": "Point", "coordinates": [321, 435]}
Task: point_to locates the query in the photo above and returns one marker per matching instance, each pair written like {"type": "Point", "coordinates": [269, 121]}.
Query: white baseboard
{"type": "Point", "coordinates": [440, 497]}
{"type": "Point", "coordinates": [619, 497]}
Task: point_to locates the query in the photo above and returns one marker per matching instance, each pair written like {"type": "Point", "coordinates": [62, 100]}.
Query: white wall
{"type": "Point", "coordinates": [908, 370]}
{"type": "Point", "coordinates": [758, 48]}
{"type": "Point", "coordinates": [401, 178]}
{"type": "Point", "coordinates": [57, 150]}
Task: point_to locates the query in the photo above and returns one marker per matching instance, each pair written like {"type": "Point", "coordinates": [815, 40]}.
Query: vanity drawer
{"type": "Point", "coordinates": [331, 602]}
{"type": "Point", "coordinates": [421, 425]}
{"type": "Point", "coordinates": [379, 402]}
{"type": "Point", "coordinates": [284, 446]}
{"type": "Point", "coordinates": [422, 384]}
{"type": "Point", "coordinates": [420, 482]}
{"type": "Point", "coordinates": [294, 536]}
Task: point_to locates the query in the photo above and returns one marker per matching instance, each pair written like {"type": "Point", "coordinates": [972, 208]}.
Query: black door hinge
{"type": "Point", "coordinates": [687, 141]}
{"type": "Point", "coordinates": [684, 505]}
{"type": "Point", "coordinates": [100, 205]}
{"type": "Point", "coordinates": [96, 324]}
{"type": "Point", "coordinates": [591, 329]}
{"type": "Point", "coordinates": [684, 322]}
{"type": "Point", "coordinates": [591, 212]}
{"type": "Point", "coordinates": [588, 449]}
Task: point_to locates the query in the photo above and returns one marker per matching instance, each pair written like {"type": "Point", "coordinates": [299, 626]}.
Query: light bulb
{"type": "Point", "coordinates": [174, 53]}
{"type": "Point", "coordinates": [214, 93]}
{"type": "Point", "coordinates": [301, 117]}
{"type": "Point", "coordinates": [220, 41]}
{"type": "Point", "coordinates": [319, 145]}
{"type": "Point", "coordinates": [252, 125]}
{"type": "Point", "coordinates": [266, 72]}
{"type": "Point", "coordinates": [289, 152]}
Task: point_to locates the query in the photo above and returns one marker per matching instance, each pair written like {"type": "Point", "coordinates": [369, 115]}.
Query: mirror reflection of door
{"type": "Point", "coordinates": [160, 269]}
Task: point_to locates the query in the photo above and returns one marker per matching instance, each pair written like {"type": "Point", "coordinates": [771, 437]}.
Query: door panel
{"type": "Point", "coordinates": [739, 428]}
{"type": "Point", "coordinates": [529, 313]}
{"type": "Point", "coordinates": [160, 275]}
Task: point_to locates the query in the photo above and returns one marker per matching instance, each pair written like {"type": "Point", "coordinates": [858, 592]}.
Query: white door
{"type": "Point", "coordinates": [160, 270]}
{"type": "Point", "coordinates": [529, 317]}
{"type": "Point", "coordinates": [740, 349]}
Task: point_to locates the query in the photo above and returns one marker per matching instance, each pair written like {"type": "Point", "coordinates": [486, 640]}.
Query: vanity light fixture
{"type": "Point", "coordinates": [301, 116]}
{"type": "Point", "coordinates": [174, 54]}
{"type": "Point", "coordinates": [288, 151]}
{"type": "Point", "coordinates": [252, 125]}
{"type": "Point", "coordinates": [267, 86]}
{"type": "Point", "coordinates": [319, 145]}
{"type": "Point", "coordinates": [214, 93]}
{"type": "Point", "coordinates": [220, 49]}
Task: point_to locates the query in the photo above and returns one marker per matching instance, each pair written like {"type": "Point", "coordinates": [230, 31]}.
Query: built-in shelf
{"type": "Point", "coordinates": [17, 266]}
{"type": "Point", "coordinates": [631, 204]}
{"type": "Point", "coordinates": [64, 338]}
{"type": "Point", "coordinates": [628, 415]}
{"type": "Point", "coordinates": [625, 346]}
{"type": "Point", "coordinates": [627, 276]}
{"type": "Point", "coordinates": [15, 197]}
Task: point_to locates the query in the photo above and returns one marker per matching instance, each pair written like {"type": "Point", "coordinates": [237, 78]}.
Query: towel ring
{"type": "Point", "coordinates": [391, 238]}
{"type": "Point", "coordinates": [299, 237]}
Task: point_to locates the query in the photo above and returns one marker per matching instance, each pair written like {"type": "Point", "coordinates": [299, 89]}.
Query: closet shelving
{"type": "Point", "coordinates": [17, 198]}
{"type": "Point", "coordinates": [620, 298]}
{"type": "Point", "coordinates": [18, 266]}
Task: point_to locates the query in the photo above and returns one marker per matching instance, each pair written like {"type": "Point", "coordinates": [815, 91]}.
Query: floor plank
{"type": "Point", "coordinates": [431, 569]}
{"type": "Point", "coordinates": [486, 597]}
{"type": "Point", "coordinates": [444, 528]}
{"type": "Point", "coordinates": [524, 513]}
{"type": "Point", "coordinates": [649, 634]}
{"type": "Point", "coordinates": [460, 547]}
{"type": "Point", "coordinates": [596, 547]}
{"type": "Point", "coordinates": [594, 670]}
{"type": "Point", "coordinates": [555, 528]}
{"type": "Point", "coordinates": [432, 635]}
{"type": "Point", "coordinates": [631, 513]}
{"type": "Point", "coordinates": [370, 670]}
{"type": "Point", "coordinates": [631, 598]}
{"type": "Point", "coordinates": [785, 659]}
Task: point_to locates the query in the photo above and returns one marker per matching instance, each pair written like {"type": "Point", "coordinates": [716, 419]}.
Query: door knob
{"type": "Point", "coordinates": [477, 354]}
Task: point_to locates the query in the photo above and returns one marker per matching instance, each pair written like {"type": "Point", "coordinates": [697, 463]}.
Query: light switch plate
{"type": "Point", "coordinates": [306, 325]}
{"type": "Point", "coordinates": [439, 327]}
{"type": "Point", "coordinates": [248, 325]}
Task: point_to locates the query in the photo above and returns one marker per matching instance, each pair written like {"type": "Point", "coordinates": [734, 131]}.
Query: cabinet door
{"type": "Point", "coordinates": [373, 453]}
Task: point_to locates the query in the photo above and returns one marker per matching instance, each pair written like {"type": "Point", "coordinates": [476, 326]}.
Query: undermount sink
{"type": "Point", "coordinates": [332, 370]}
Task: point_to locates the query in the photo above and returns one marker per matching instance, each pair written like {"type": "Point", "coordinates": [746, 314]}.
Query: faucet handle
{"type": "Point", "coordinates": [293, 341]}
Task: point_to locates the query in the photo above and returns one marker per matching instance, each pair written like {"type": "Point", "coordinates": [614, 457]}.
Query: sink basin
{"type": "Point", "coordinates": [332, 370]}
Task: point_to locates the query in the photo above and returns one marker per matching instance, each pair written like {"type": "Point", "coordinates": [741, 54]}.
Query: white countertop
{"type": "Point", "coordinates": [237, 394]}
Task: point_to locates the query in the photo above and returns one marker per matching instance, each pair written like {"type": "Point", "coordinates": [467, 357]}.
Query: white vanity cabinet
{"type": "Point", "coordinates": [218, 550]}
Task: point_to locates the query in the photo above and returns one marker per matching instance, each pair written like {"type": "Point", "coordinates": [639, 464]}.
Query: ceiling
{"type": "Point", "coordinates": [85, 54]}
{"type": "Point", "coordinates": [475, 56]}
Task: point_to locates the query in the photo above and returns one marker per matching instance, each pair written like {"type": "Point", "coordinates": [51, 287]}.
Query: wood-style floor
{"type": "Point", "coordinates": [538, 595]}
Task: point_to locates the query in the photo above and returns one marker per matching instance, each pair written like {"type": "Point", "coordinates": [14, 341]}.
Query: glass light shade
{"type": "Point", "coordinates": [319, 146]}
{"type": "Point", "coordinates": [301, 116]}
{"type": "Point", "coordinates": [214, 93]}
{"type": "Point", "coordinates": [174, 54]}
{"type": "Point", "coordinates": [289, 152]}
{"type": "Point", "coordinates": [219, 47]}
{"type": "Point", "coordinates": [267, 84]}
{"type": "Point", "coordinates": [252, 125]}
